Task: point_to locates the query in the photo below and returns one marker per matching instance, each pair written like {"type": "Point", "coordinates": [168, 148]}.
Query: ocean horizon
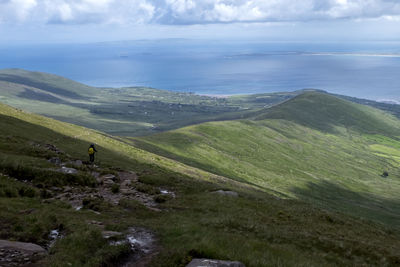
{"type": "Point", "coordinates": [364, 69]}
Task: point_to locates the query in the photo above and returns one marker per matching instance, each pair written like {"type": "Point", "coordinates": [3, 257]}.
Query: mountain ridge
{"type": "Point", "coordinates": [324, 111]}
{"type": "Point", "coordinates": [255, 227]}
{"type": "Point", "coordinates": [134, 111]}
{"type": "Point", "coordinates": [282, 151]}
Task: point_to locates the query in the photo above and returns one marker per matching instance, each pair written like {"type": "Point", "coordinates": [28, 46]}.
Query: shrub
{"type": "Point", "coordinates": [45, 194]}
{"type": "Point", "coordinates": [115, 188]}
{"type": "Point", "coordinates": [9, 192]}
{"type": "Point", "coordinates": [47, 177]}
{"type": "Point", "coordinates": [96, 204]}
{"type": "Point", "coordinates": [162, 198]}
{"type": "Point", "coordinates": [27, 192]}
{"type": "Point", "coordinates": [148, 189]}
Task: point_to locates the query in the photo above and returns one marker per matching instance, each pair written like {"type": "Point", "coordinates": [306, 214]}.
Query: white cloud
{"type": "Point", "coordinates": [180, 6]}
{"type": "Point", "coordinates": [20, 9]}
{"type": "Point", "coordinates": [191, 11]}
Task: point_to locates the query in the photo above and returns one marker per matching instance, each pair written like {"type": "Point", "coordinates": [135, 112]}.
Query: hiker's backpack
{"type": "Point", "coordinates": [91, 151]}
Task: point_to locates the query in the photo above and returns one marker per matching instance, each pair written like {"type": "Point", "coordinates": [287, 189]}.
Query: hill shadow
{"type": "Point", "coordinates": [41, 85]}
{"type": "Point", "coordinates": [329, 195]}
{"type": "Point", "coordinates": [19, 137]}
{"type": "Point", "coordinates": [32, 95]}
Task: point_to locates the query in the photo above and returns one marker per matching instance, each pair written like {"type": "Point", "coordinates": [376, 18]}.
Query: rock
{"type": "Point", "coordinates": [28, 211]}
{"type": "Point", "coordinates": [166, 192]}
{"type": "Point", "coordinates": [28, 247]}
{"type": "Point", "coordinates": [77, 163]}
{"type": "Point", "coordinates": [109, 234]}
{"type": "Point", "coordinates": [55, 160]}
{"type": "Point", "coordinates": [214, 263]}
{"type": "Point", "coordinates": [141, 240]}
{"type": "Point", "coordinates": [126, 183]}
{"type": "Point", "coordinates": [126, 191]}
{"type": "Point", "coordinates": [54, 188]}
{"type": "Point", "coordinates": [95, 222]}
{"type": "Point", "coordinates": [69, 170]}
{"type": "Point", "coordinates": [53, 148]}
{"type": "Point", "coordinates": [67, 189]}
{"type": "Point", "coordinates": [227, 193]}
{"type": "Point", "coordinates": [53, 235]}
{"type": "Point", "coordinates": [19, 253]}
{"type": "Point", "coordinates": [108, 177]}
{"type": "Point", "coordinates": [108, 182]}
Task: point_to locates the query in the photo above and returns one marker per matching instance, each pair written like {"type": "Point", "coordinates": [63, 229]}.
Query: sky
{"type": "Point", "coordinates": [47, 21]}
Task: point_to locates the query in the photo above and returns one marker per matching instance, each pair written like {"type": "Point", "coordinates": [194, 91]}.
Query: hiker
{"type": "Point", "coordinates": [91, 152]}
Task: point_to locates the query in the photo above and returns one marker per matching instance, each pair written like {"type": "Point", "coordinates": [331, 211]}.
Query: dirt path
{"type": "Point", "coordinates": [124, 181]}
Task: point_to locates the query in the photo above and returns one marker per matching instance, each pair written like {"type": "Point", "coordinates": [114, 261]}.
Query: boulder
{"type": "Point", "coordinates": [214, 263]}
{"type": "Point", "coordinates": [19, 253]}
{"type": "Point", "coordinates": [69, 170]}
{"type": "Point", "coordinates": [28, 247]}
{"type": "Point", "coordinates": [109, 177]}
{"type": "Point", "coordinates": [110, 234]}
{"type": "Point", "coordinates": [55, 161]}
{"type": "Point", "coordinates": [77, 163]}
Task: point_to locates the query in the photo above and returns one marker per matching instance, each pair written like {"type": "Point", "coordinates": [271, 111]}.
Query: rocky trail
{"type": "Point", "coordinates": [112, 186]}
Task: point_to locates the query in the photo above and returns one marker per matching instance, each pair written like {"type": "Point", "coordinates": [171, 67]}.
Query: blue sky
{"type": "Point", "coordinates": [33, 21]}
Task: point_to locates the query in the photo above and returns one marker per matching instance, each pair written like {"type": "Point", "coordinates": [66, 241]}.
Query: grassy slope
{"type": "Point", "coordinates": [324, 112]}
{"type": "Point", "coordinates": [255, 228]}
{"type": "Point", "coordinates": [121, 111]}
{"type": "Point", "coordinates": [49, 83]}
{"type": "Point", "coordinates": [133, 111]}
{"type": "Point", "coordinates": [314, 147]}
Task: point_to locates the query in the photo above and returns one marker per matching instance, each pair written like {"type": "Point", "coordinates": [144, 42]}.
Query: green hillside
{"type": "Point", "coordinates": [120, 111]}
{"type": "Point", "coordinates": [255, 228]}
{"type": "Point", "coordinates": [134, 111]}
{"type": "Point", "coordinates": [314, 147]}
{"type": "Point", "coordinates": [325, 112]}
{"type": "Point", "coordinates": [131, 111]}
{"type": "Point", "coordinates": [50, 84]}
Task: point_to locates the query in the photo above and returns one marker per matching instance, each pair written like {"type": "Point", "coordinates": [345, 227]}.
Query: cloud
{"type": "Point", "coordinates": [191, 11]}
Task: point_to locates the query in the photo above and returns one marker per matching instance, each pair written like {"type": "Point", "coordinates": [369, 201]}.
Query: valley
{"type": "Point", "coordinates": [284, 179]}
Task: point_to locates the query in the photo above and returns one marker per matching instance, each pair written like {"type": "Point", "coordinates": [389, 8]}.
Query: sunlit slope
{"type": "Point", "coordinates": [255, 228]}
{"type": "Point", "coordinates": [314, 147]}
{"type": "Point", "coordinates": [75, 139]}
{"type": "Point", "coordinates": [328, 113]}
{"type": "Point", "coordinates": [120, 111]}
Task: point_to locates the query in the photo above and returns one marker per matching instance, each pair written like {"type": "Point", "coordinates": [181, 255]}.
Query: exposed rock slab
{"type": "Point", "coordinates": [19, 253]}
{"type": "Point", "coordinates": [143, 246]}
{"type": "Point", "coordinates": [69, 170]}
{"type": "Point", "coordinates": [214, 263]}
{"type": "Point", "coordinates": [125, 180]}
{"type": "Point", "coordinates": [110, 234]}
{"type": "Point", "coordinates": [29, 247]}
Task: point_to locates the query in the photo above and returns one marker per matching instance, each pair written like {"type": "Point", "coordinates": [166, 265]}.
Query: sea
{"type": "Point", "coordinates": [213, 67]}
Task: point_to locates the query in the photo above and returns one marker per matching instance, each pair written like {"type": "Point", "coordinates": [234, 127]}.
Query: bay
{"type": "Point", "coordinates": [365, 69]}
